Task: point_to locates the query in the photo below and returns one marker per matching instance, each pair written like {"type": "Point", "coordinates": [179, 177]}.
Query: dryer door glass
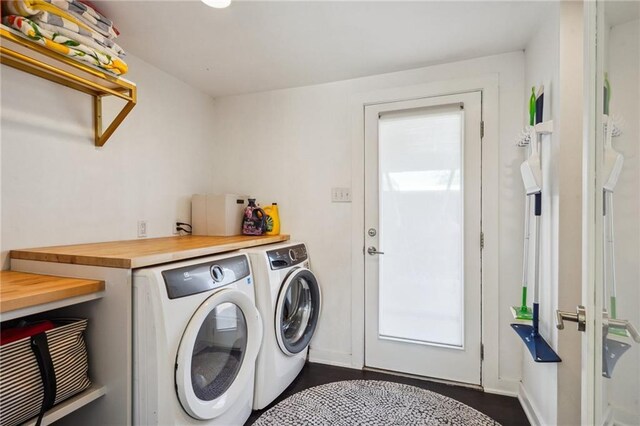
{"type": "Point", "coordinates": [299, 306]}
{"type": "Point", "coordinates": [218, 351]}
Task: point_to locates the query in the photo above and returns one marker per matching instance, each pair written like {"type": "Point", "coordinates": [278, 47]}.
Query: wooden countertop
{"type": "Point", "coordinates": [143, 252]}
{"type": "Point", "coordinates": [20, 290]}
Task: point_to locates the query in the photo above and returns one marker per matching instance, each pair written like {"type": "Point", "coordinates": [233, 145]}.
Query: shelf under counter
{"type": "Point", "coordinates": [70, 405]}
{"type": "Point", "coordinates": [23, 294]}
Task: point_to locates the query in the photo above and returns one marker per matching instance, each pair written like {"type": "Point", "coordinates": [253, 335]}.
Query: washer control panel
{"type": "Point", "coordinates": [287, 256]}
{"type": "Point", "coordinates": [193, 279]}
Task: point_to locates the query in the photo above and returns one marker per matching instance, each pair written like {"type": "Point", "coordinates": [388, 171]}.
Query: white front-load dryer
{"type": "Point", "coordinates": [197, 334]}
{"type": "Point", "coordinates": [289, 300]}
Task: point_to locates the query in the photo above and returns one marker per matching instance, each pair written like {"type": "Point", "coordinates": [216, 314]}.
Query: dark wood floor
{"type": "Point", "coordinates": [504, 409]}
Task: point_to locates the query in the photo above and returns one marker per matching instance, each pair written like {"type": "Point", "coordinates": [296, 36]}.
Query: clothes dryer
{"type": "Point", "coordinates": [289, 301]}
{"type": "Point", "coordinates": [197, 334]}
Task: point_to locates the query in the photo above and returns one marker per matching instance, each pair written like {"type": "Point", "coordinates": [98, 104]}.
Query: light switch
{"type": "Point", "coordinates": [340, 195]}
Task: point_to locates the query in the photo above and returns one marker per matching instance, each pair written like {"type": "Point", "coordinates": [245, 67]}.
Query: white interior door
{"type": "Point", "coordinates": [611, 370]}
{"type": "Point", "coordinates": [422, 244]}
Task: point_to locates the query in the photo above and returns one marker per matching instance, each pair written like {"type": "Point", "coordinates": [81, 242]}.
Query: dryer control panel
{"type": "Point", "coordinates": [193, 279]}
{"type": "Point", "coordinates": [287, 256]}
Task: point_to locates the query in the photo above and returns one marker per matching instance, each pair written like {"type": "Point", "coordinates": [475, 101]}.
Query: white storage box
{"type": "Point", "coordinates": [219, 215]}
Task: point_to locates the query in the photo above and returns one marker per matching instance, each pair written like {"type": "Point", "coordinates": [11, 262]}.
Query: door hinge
{"type": "Point", "coordinates": [481, 351]}
{"type": "Point", "coordinates": [482, 241]}
{"type": "Point", "coordinates": [481, 129]}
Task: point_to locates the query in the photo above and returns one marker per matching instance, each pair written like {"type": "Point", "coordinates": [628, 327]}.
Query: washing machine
{"type": "Point", "coordinates": [196, 337]}
{"type": "Point", "coordinates": [289, 301]}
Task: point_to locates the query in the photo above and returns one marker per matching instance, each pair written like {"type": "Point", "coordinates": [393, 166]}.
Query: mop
{"type": "Point", "coordinates": [612, 349]}
{"type": "Point", "coordinates": [613, 162]}
{"type": "Point", "coordinates": [531, 177]}
{"type": "Point", "coordinates": [530, 335]}
{"type": "Point", "coordinates": [523, 312]}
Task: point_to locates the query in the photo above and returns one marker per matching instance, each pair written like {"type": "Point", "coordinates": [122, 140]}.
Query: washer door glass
{"type": "Point", "coordinates": [218, 351]}
{"type": "Point", "coordinates": [297, 311]}
{"type": "Point", "coordinates": [216, 357]}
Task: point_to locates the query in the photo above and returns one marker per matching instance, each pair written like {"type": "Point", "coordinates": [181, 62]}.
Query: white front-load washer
{"type": "Point", "coordinates": [197, 334]}
{"type": "Point", "coordinates": [289, 300]}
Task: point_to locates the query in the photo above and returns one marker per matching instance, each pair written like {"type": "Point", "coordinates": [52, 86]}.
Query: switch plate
{"type": "Point", "coordinates": [340, 195]}
{"type": "Point", "coordinates": [142, 228]}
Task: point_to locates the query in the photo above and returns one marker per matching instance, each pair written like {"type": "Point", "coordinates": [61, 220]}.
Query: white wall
{"type": "Point", "coordinates": [291, 146]}
{"type": "Point", "coordinates": [541, 67]}
{"type": "Point", "coordinates": [554, 57]}
{"type": "Point", "coordinates": [57, 188]}
{"type": "Point", "coordinates": [623, 48]}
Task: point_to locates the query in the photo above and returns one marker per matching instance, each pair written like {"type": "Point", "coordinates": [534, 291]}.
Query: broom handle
{"type": "Point", "coordinates": [536, 293]}
{"type": "Point", "coordinates": [538, 212]}
{"type": "Point", "coordinates": [612, 253]}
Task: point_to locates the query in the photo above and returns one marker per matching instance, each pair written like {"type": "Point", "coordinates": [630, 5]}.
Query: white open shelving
{"type": "Point", "coordinates": [70, 405]}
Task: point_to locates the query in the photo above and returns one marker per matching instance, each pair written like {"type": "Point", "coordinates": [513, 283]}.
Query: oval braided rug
{"type": "Point", "coordinates": [370, 402]}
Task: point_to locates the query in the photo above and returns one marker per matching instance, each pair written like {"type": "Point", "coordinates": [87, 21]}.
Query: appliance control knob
{"type": "Point", "coordinates": [217, 273]}
{"type": "Point", "coordinates": [292, 254]}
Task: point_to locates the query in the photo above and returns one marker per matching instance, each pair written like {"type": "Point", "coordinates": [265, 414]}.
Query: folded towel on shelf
{"type": "Point", "coordinates": [66, 46]}
{"type": "Point", "coordinates": [28, 8]}
{"type": "Point", "coordinates": [92, 39]}
{"type": "Point", "coordinates": [94, 8]}
{"type": "Point", "coordinates": [70, 14]}
{"type": "Point", "coordinates": [81, 11]}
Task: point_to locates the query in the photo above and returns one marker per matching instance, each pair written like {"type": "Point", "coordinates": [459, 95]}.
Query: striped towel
{"type": "Point", "coordinates": [81, 11]}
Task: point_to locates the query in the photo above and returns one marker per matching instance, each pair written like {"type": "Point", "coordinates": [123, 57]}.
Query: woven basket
{"type": "Point", "coordinates": [22, 389]}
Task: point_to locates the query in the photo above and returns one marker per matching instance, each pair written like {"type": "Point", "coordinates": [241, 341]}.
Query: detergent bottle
{"type": "Point", "coordinates": [254, 219]}
{"type": "Point", "coordinates": [273, 219]}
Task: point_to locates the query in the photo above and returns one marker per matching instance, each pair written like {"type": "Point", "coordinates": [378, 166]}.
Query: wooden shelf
{"type": "Point", "coordinates": [23, 294]}
{"type": "Point", "coordinates": [21, 53]}
{"type": "Point", "coordinates": [143, 252]}
{"type": "Point", "coordinates": [70, 405]}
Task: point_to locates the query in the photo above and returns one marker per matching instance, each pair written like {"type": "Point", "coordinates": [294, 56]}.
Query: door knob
{"type": "Point", "coordinates": [373, 251]}
{"type": "Point", "coordinates": [579, 317]}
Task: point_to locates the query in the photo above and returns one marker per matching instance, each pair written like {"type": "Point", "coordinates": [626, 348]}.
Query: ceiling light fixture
{"type": "Point", "coordinates": [218, 4]}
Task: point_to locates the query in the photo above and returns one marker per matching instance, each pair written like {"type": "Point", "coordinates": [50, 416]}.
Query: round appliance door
{"type": "Point", "coordinates": [297, 311]}
{"type": "Point", "coordinates": [217, 354]}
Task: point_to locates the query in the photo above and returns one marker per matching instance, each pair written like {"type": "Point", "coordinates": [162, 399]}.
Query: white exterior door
{"type": "Point", "coordinates": [422, 237]}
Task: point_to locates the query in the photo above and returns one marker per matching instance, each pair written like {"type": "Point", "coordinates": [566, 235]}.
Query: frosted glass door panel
{"type": "Point", "coordinates": [421, 275]}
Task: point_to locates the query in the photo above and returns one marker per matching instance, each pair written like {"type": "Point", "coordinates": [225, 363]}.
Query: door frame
{"type": "Point", "coordinates": [490, 306]}
{"type": "Point", "coordinates": [592, 126]}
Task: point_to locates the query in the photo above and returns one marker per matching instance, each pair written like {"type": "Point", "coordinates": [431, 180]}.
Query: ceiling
{"type": "Point", "coordinates": [620, 12]}
{"type": "Point", "coordinates": [256, 46]}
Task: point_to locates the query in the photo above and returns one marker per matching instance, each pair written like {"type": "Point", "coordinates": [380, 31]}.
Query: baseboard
{"type": "Point", "coordinates": [528, 407]}
{"type": "Point", "coordinates": [338, 359]}
{"type": "Point", "coordinates": [619, 417]}
{"type": "Point", "coordinates": [501, 392]}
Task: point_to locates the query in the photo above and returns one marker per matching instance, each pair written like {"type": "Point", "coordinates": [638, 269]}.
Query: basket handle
{"type": "Point", "coordinates": [40, 348]}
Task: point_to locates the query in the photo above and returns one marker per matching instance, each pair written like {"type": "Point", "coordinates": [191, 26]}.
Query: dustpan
{"type": "Point", "coordinates": [531, 169]}
{"type": "Point", "coordinates": [530, 334]}
{"type": "Point", "coordinates": [612, 350]}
